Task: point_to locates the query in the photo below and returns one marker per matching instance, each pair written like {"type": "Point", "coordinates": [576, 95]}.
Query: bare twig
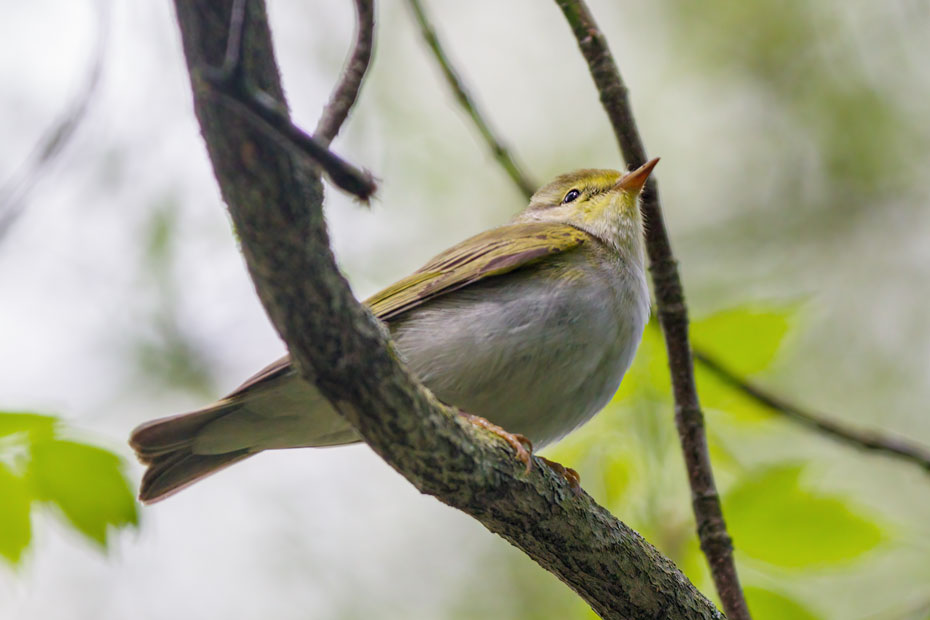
{"type": "Point", "coordinates": [864, 439]}
{"type": "Point", "coordinates": [498, 149]}
{"type": "Point", "coordinates": [338, 345]}
{"type": "Point", "coordinates": [346, 92]}
{"type": "Point", "coordinates": [673, 314]}
{"type": "Point", "coordinates": [15, 191]}
{"type": "Point", "coordinates": [231, 84]}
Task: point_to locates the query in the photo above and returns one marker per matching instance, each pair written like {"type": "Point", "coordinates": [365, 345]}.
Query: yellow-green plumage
{"type": "Point", "coordinates": [491, 253]}
{"type": "Point", "coordinates": [531, 325]}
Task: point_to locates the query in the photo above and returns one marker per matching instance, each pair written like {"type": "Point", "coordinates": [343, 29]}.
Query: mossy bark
{"type": "Point", "coordinates": [275, 200]}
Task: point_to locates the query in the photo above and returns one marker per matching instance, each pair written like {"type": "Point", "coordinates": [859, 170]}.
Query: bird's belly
{"type": "Point", "coordinates": [538, 363]}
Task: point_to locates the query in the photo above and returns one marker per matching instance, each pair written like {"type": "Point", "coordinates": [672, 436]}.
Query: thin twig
{"type": "Point", "coordinates": [339, 346]}
{"type": "Point", "coordinates": [673, 314]}
{"type": "Point", "coordinates": [230, 83]}
{"type": "Point", "coordinates": [15, 191]}
{"type": "Point", "coordinates": [498, 149]}
{"type": "Point", "coordinates": [866, 440]}
{"type": "Point", "coordinates": [346, 92]}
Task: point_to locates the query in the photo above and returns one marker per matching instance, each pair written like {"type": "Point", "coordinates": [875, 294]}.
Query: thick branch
{"type": "Point", "coordinates": [673, 314]}
{"type": "Point", "coordinates": [864, 439]}
{"type": "Point", "coordinates": [498, 149]}
{"type": "Point", "coordinates": [232, 86]}
{"type": "Point", "coordinates": [275, 203]}
{"type": "Point", "coordinates": [346, 92]}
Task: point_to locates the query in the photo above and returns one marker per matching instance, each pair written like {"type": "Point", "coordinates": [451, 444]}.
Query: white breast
{"type": "Point", "coordinates": [537, 356]}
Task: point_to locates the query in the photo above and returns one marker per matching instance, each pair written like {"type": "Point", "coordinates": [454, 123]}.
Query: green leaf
{"type": "Point", "coordinates": [773, 519]}
{"type": "Point", "coordinates": [648, 377]}
{"type": "Point", "coordinates": [746, 339]}
{"type": "Point", "coordinates": [86, 483]}
{"type": "Point", "coordinates": [767, 605]}
{"type": "Point", "coordinates": [32, 423]}
{"type": "Point", "coordinates": [721, 396]}
{"type": "Point", "coordinates": [15, 527]}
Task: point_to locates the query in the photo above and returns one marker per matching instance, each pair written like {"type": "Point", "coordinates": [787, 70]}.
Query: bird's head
{"type": "Point", "coordinates": [601, 202]}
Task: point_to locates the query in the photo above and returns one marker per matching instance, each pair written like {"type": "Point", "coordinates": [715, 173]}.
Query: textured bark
{"type": "Point", "coordinates": [673, 313]}
{"type": "Point", "coordinates": [275, 202]}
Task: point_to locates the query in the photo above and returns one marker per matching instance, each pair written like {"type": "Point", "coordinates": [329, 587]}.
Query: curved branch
{"type": "Point", "coordinates": [276, 205]}
{"type": "Point", "coordinates": [346, 92]}
{"type": "Point", "coordinates": [864, 439]}
{"type": "Point", "coordinates": [498, 149]}
{"type": "Point", "coordinates": [230, 82]}
{"type": "Point", "coordinates": [673, 314]}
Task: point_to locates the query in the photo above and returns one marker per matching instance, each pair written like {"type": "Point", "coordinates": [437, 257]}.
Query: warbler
{"type": "Point", "coordinates": [527, 328]}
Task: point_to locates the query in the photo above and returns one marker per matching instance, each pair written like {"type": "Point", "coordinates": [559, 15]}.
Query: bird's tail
{"type": "Point", "coordinates": [166, 446]}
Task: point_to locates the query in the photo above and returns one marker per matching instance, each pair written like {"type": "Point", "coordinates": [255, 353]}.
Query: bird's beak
{"type": "Point", "coordinates": [633, 181]}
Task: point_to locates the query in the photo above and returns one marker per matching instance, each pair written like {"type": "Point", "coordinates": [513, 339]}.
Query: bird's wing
{"type": "Point", "coordinates": [491, 253]}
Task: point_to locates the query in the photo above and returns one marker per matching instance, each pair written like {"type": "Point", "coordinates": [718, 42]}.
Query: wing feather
{"type": "Point", "coordinates": [491, 253]}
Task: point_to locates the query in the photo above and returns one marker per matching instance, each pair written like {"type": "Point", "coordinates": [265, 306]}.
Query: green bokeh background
{"type": "Point", "coordinates": [795, 145]}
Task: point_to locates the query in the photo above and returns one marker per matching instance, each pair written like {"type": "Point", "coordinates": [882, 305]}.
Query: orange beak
{"type": "Point", "coordinates": [633, 181]}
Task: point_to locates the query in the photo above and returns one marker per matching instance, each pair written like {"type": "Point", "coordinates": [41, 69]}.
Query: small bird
{"type": "Point", "coordinates": [527, 329]}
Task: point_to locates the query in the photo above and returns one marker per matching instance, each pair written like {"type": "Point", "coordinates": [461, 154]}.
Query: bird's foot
{"type": "Point", "coordinates": [521, 445]}
{"type": "Point", "coordinates": [570, 475]}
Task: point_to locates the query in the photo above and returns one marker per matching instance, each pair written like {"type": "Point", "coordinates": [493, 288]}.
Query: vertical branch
{"type": "Point", "coordinates": [500, 151]}
{"type": "Point", "coordinates": [673, 314]}
{"type": "Point", "coordinates": [870, 439]}
{"type": "Point", "coordinates": [275, 200]}
{"type": "Point", "coordinates": [346, 91]}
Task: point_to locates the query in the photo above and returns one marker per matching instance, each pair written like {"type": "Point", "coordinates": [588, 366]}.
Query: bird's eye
{"type": "Point", "coordinates": [570, 196]}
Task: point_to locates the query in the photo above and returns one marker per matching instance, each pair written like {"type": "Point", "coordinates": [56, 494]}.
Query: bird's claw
{"type": "Point", "coordinates": [570, 475]}
{"type": "Point", "coordinates": [521, 445]}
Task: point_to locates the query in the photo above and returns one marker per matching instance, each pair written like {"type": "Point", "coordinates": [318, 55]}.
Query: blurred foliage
{"type": "Point", "coordinates": [827, 125]}
{"type": "Point", "coordinates": [769, 605]}
{"type": "Point", "coordinates": [38, 467]}
{"type": "Point", "coordinates": [805, 62]}
{"type": "Point", "coordinates": [777, 521]}
{"type": "Point", "coordinates": [166, 352]}
{"type": "Point", "coordinates": [629, 459]}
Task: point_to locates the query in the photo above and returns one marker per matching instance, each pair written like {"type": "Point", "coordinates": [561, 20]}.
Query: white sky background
{"type": "Point", "coordinates": [312, 533]}
{"type": "Point", "coordinates": [293, 534]}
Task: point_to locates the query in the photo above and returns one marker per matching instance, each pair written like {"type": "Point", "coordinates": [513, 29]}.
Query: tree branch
{"type": "Point", "coordinates": [864, 439]}
{"type": "Point", "coordinates": [231, 84]}
{"type": "Point", "coordinates": [346, 92]}
{"type": "Point", "coordinates": [673, 313]}
{"type": "Point", "coordinates": [275, 202]}
{"type": "Point", "coordinates": [498, 149]}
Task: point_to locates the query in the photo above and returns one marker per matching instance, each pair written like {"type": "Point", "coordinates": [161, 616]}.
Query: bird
{"type": "Point", "coordinates": [527, 329]}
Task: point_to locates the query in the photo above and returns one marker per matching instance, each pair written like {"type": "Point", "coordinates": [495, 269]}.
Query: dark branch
{"type": "Point", "coordinates": [346, 92]}
{"type": "Point", "coordinates": [673, 314]}
{"type": "Point", "coordinates": [498, 149]}
{"type": "Point", "coordinates": [231, 84]}
{"type": "Point", "coordinates": [864, 439]}
{"type": "Point", "coordinates": [276, 205]}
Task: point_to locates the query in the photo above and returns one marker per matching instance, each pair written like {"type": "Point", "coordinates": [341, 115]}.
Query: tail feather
{"type": "Point", "coordinates": [171, 472]}
{"type": "Point", "coordinates": [168, 435]}
{"type": "Point", "coordinates": [278, 412]}
{"type": "Point", "coordinates": [165, 445]}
